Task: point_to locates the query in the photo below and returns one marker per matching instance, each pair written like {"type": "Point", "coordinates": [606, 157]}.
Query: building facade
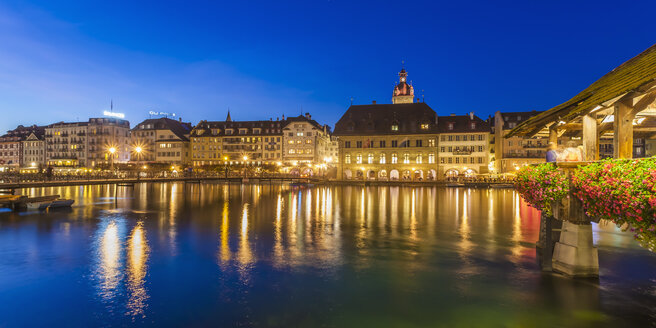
{"type": "Point", "coordinates": [388, 142]}
{"type": "Point", "coordinates": [236, 142]}
{"type": "Point", "coordinates": [87, 144]}
{"type": "Point", "coordinates": [305, 141]}
{"type": "Point", "coordinates": [161, 140]}
{"type": "Point", "coordinates": [11, 145]}
{"type": "Point", "coordinates": [34, 149]}
{"type": "Point", "coordinates": [464, 145]}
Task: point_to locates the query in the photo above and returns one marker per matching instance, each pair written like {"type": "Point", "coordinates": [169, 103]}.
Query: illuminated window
{"type": "Point", "coordinates": [406, 158]}
{"type": "Point", "coordinates": [419, 159]}
{"type": "Point", "coordinates": [431, 142]}
{"type": "Point", "coordinates": [424, 126]}
{"type": "Point", "coordinates": [291, 142]}
{"type": "Point", "coordinates": [431, 158]}
{"type": "Point", "coordinates": [347, 158]}
{"type": "Point", "coordinates": [382, 159]}
{"type": "Point", "coordinates": [358, 158]}
{"type": "Point", "coordinates": [394, 159]}
{"type": "Point", "coordinates": [299, 134]}
{"type": "Point", "coordinates": [395, 127]}
{"type": "Point", "coordinates": [370, 158]}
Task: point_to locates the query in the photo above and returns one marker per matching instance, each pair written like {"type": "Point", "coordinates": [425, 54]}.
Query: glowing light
{"type": "Point", "coordinates": [33, 164]}
{"type": "Point", "coordinates": [112, 114]}
{"type": "Point", "coordinates": [138, 149]}
{"type": "Point", "coordinates": [245, 157]}
{"type": "Point", "coordinates": [112, 150]}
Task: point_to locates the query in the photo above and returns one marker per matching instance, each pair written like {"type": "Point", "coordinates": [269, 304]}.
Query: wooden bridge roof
{"type": "Point", "coordinates": [634, 75]}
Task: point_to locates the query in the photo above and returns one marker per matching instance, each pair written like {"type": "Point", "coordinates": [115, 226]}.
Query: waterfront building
{"type": "Point", "coordinates": [388, 142]}
{"type": "Point", "coordinates": [161, 140]}
{"type": "Point", "coordinates": [11, 145]}
{"type": "Point", "coordinates": [463, 145]}
{"type": "Point", "coordinates": [510, 154]}
{"type": "Point", "coordinates": [88, 144]}
{"type": "Point", "coordinates": [34, 149]}
{"type": "Point", "coordinates": [305, 143]}
{"type": "Point", "coordinates": [236, 142]}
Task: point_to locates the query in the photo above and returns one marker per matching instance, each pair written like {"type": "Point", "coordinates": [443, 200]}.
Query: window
{"type": "Point", "coordinates": [370, 158]}
{"type": "Point", "coordinates": [291, 142]}
{"type": "Point", "coordinates": [480, 148]}
{"type": "Point", "coordinates": [450, 138]}
{"type": "Point", "coordinates": [358, 158]}
{"type": "Point", "coordinates": [419, 159]}
{"type": "Point", "coordinates": [442, 149]}
{"type": "Point", "coordinates": [450, 160]}
{"type": "Point", "coordinates": [431, 158]}
{"type": "Point", "coordinates": [395, 143]}
{"type": "Point", "coordinates": [472, 125]}
{"type": "Point", "coordinates": [382, 159]}
{"type": "Point", "coordinates": [292, 151]}
{"type": "Point", "coordinates": [394, 158]}
{"type": "Point", "coordinates": [395, 127]}
{"type": "Point", "coordinates": [431, 142]}
{"type": "Point", "coordinates": [309, 141]}
{"type": "Point", "coordinates": [450, 126]}
{"type": "Point", "coordinates": [450, 149]}
{"type": "Point", "coordinates": [382, 144]}
{"type": "Point", "coordinates": [406, 158]}
{"type": "Point", "coordinates": [458, 138]}
{"type": "Point", "coordinates": [347, 144]}
{"type": "Point", "coordinates": [441, 160]}
{"type": "Point", "coordinates": [472, 137]}
{"type": "Point", "coordinates": [347, 158]}
{"type": "Point", "coordinates": [457, 160]}
{"type": "Point", "coordinates": [418, 143]}
{"type": "Point", "coordinates": [442, 138]}
{"type": "Point", "coordinates": [299, 134]}
{"type": "Point", "coordinates": [358, 144]}
{"type": "Point", "coordinates": [480, 160]}
{"type": "Point", "coordinates": [424, 126]}
{"type": "Point", "coordinates": [481, 137]}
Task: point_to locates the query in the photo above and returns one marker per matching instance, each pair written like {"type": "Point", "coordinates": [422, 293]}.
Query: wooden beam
{"type": "Point", "coordinates": [623, 128]}
{"type": "Point", "coordinates": [643, 103]}
{"type": "Point", "coordinates": [590, 138]}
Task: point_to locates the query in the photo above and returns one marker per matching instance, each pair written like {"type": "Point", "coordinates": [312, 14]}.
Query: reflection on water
{"type": "Point", "coordinates": [268, 255]}
{"type": "Point", "coordinates": [110, 261]}
{"type": "Point", "coordinates": [137, 259]}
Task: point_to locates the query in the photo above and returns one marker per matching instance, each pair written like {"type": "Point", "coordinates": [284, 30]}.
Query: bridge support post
{"type": "Point", "coordinates": [549, 235]}
{"type": "Point", "coordinates": [574, 254]}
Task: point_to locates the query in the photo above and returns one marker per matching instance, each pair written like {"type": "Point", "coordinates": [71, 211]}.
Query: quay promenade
{"type": "Point", "coordinates": [10, 187]}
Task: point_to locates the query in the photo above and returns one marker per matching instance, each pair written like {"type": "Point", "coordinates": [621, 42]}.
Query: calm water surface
{"type": "Point", "coordinates": [271, 256]}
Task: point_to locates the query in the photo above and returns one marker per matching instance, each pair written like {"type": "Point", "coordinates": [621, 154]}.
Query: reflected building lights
{"type": "Point", "coordinates": [137, 269]}
{"type": "Point", "coordinates": [110, 265]}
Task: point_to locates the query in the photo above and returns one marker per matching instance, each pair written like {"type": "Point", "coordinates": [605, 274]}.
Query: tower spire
{"type": "Point", "coordinates": [228, 118]}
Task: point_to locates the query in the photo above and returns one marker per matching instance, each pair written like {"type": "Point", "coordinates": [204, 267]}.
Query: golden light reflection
{"type": "Point", "coordinates": [224, 252]}
{"type": "Point", "coordinates": [110, 266]}
{"type": "Point", "coordinates": [278, 251]}
{"type": "Point", "coordinates": [245, 255]}
{"type": "Point", "coordinates": [137, 269]}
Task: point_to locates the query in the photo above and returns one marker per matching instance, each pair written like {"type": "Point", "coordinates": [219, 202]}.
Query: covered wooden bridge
{"type": "Point", "coordinates": [620, 107]}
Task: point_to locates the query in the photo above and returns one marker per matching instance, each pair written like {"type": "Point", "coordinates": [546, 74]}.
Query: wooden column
{"type": "Point", "coordinates": [590, 138]}
{"type": "Point", "coordinates": [623, 128]}
{"type": "Point", "coordinates": [553, 134]}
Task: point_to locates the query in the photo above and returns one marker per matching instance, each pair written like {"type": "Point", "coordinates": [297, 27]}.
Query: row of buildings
{"type": "Point", "coordinates": [404, 140]}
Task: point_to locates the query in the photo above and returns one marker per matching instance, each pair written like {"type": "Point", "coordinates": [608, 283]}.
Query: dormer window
{"type": "Point", "coordinates": [395, 127]}
{"type": "Point", "coordinates": [472, 125]}
{"type": "Point", "coordinates": [450, 126]}
{"type": "Point", "coordinates": [424, 126]}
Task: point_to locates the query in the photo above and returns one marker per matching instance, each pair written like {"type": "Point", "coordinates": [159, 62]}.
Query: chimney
{"type": "Point", "coordinates": [471, 115]}
{"type": "Point", "coordinates": [308, 116]}
{"type": "Point", "coordinates": [180, 119]}
{"type": "Point", "coordinates": [373, 102]}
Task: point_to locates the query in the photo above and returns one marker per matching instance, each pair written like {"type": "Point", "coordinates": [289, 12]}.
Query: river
{"type": "Point", "coordinates": [189, 255]}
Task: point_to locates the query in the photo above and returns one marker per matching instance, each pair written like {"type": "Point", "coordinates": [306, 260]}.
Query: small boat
{"type": "Point", "coordinates": [59, 203]}
{"type": "Point", "coordinates": [40, 206]}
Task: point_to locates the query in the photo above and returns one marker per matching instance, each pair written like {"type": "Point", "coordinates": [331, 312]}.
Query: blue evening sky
{"type": "Point", "coordinates": [65, 60]}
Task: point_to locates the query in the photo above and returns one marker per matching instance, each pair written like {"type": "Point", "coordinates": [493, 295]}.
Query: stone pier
{"type": "Point", "coordinates": [574, 254]}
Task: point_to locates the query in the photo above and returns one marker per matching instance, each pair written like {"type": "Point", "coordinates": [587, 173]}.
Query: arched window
{"type": "Point", "coordinates": [419, 159]}
{"type": "Point", "coordinates": [370, 158]}
{"type": "Point", "coordinates": [358, 158]}
{"type": "Point", "coordinates": [382, 159]}
{"type": "Point", "coordinates": [394, 158]}
{"type": "Point", "coordinates": [406, 158]}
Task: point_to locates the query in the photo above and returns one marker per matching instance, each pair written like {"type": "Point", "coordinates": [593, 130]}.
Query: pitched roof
{"type": "Point", "coordinates": [379, 118]}
{"type": "Point", "coordinates": [462, 124]}
{"type": "Point", "coordinates": [630, 76]}
{"type": "Point", "coordinates": [203, 128]}
{"type": "Point", "coordinates": [304, 118]}
{"type": "Point", "coordinates": [180, 129]}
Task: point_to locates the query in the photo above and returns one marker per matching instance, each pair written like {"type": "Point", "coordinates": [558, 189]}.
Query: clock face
{"type": "Point", "coordinates": [403, 79]}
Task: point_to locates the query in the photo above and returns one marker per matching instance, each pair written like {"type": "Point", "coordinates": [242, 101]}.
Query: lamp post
{"type": "Point", "coordinates": [245, 166]}
{"type": "Point", "coordinates": [225, 162]}
{"type": "Point", "coordinates": [138, 150]}
{"type": "Point", "coordinates": [112, 150]}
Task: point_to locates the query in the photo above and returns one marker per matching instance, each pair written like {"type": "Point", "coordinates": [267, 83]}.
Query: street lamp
{"type": "Point", "coordinates": [112, 150]}
{"type": "Point", "coordinates": [225, 162]}
{"type": "Point", "coordinates": [245, 165]}
{"type": "Point", "coordinates": [138, 150]}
